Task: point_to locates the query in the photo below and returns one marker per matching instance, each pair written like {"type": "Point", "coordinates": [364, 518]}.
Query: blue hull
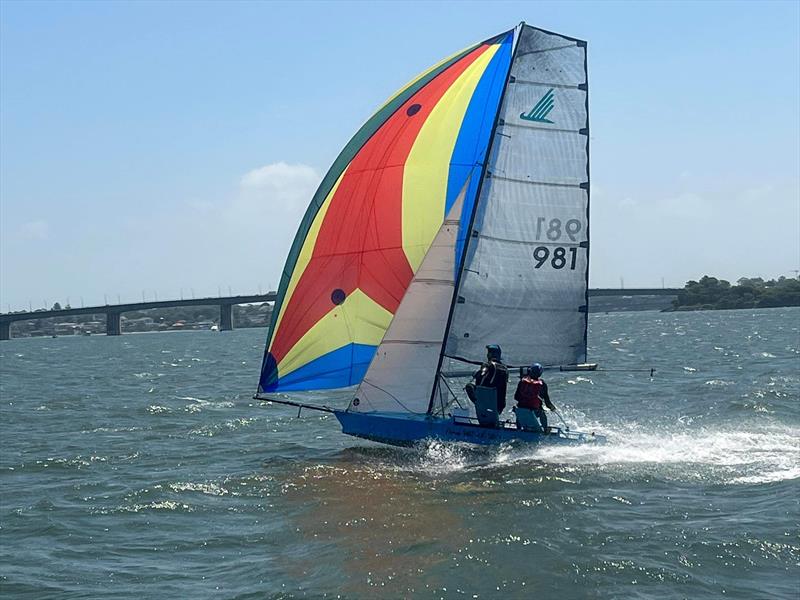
{"type": "Point", "coordinates": [402, 429]}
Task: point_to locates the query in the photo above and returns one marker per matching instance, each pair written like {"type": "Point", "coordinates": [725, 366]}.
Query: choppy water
{"type": "Point", "coordinates": [139, 467]}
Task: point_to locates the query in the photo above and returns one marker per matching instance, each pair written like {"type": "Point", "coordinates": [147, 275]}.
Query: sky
{"type": "Point", "coordinates": [154, 149]}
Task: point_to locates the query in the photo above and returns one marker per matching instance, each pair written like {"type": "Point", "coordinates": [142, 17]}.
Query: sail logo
{"type": "Point", "coordinates": [538, 113]}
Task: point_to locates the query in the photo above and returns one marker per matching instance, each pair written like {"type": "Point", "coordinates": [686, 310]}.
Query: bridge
{"type": "Point", "coordinates": [113, 312]}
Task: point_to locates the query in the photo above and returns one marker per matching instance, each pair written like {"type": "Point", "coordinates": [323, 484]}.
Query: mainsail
{"type": "Point", "coordinates": [524, 285]}
{"type": "Point", "coordinates": [456, 217]}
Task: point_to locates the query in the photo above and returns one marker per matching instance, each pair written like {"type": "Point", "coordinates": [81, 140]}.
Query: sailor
{"type": "Point", "coordinates": [492, 376]}
{"type": "Point", "coordinates": [531, 393]}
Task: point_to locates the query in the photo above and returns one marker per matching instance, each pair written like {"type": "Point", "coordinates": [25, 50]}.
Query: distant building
{"type": "Point", "coordinates": [66, 328]}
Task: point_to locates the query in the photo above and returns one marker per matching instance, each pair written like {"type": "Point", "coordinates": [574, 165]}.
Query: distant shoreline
{"type": "Point", "coordinates": [711, 293]}
{"type": "Point", "coordinates": [706, 308]}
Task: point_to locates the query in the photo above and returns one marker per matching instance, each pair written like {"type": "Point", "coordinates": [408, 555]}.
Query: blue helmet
{"type": "Point", "coordinates": [493, 351]}
{"type": "Point", "coordinates": [536, 370]}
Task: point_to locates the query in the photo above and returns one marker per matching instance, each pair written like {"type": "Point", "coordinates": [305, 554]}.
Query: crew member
{"type": "Point", "coordinates": [532, 392]}
{"type": "Point", "coordinates": [492, 374]}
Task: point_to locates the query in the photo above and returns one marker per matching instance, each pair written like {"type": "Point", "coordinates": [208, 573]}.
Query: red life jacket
{"type": "Point", "coordinates": [527, 394]}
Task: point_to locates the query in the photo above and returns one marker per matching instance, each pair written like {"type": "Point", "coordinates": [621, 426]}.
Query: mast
{"type": "Point", "coordinates": [588, 199]}
{"type": "Point", "coordinates": [468, 237]}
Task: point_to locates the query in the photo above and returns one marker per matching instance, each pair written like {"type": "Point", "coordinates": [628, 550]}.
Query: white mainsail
{"type": "Point", "coordinates": [524, 282]}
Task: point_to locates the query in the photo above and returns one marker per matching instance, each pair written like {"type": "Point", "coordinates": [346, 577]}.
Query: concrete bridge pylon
{"type": "Point", "coordinates": [226, 317]}
{"type": "Point", "coordinates": [113, 323]}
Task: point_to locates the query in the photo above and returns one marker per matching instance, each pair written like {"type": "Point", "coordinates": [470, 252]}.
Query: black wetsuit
{"type": "Point", "coordinates": [492, 374]}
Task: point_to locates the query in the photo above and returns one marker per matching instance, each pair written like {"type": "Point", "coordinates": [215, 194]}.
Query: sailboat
{"type": "Point", "coordinates": [456, 217]}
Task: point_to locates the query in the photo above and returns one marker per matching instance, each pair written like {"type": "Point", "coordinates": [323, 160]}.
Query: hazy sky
{"type": "Point", "coordinates": [153, 147]}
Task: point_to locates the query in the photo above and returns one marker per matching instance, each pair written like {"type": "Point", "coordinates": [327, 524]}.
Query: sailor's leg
{"type": "Point", "coordinates": [542, 419]}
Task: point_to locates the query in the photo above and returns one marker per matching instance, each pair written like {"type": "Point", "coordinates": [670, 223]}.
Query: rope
{"type": "Point", "coordinates": [389, 394]}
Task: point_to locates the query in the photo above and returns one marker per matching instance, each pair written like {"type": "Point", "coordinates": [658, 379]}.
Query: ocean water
{"type": "Point", "coordinates": [139, 467]}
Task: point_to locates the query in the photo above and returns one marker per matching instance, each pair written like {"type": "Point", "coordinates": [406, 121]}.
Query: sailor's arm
{"type": "Point", "coordinates": [517, 392]}
{"type": "Point", "coordinates": [502, 385]}
{"type": "Point", "coordinates": [546, 397]}
{"type": "Point", "coordinates": [476, 374]}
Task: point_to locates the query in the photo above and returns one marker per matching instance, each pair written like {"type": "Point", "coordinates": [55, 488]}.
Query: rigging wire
{"type": "Point", "coordinates": [442, 404]}
{"type": "Point", "coordinates": [395, 398]}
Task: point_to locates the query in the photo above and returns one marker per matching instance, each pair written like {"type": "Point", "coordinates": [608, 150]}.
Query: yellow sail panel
{"type": "Point", "coordinates": [358, 320]}
{"type": "Point", "coordinates": [427, 170]}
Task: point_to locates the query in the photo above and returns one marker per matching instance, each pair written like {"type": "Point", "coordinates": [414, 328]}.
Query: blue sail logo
{"type": "Point", "coordinates": [539, 112]}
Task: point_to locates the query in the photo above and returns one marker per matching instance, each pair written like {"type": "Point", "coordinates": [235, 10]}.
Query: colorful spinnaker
{"type": "Point", "coordinates": [375, 215]}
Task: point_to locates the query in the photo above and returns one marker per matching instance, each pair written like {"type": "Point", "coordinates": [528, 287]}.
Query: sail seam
{"type": "Point", "coordinates": [446, 282]}
{"type": "Point", "coordinates": [411, 342]}
{"type": "Point", "coordinates": [531, 243]}
{"type": "Point", "coordinates": [547, 50]}
{"type": "Point", "coordinates": [546, 183]}
{"type": "Point", "coordinates": [383, 249]}
{"type": "Point", "coordinates": [540, 128]}
{"type": "Point", "coordinates": [564, 86]}
{"type": "Point", "coordinates": [540, 308]}
{"type": "Point", "coordinates": [475, 362]}
{"type": "Point", "coordinates": [579, 43]}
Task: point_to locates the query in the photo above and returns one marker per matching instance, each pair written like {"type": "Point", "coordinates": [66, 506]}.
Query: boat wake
{"type": "Point", "coordinates": [725, 456]}
{"type": "Point", "coordinates": [738, 456]}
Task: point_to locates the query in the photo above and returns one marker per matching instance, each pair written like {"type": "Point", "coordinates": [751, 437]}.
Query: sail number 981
{"type": "Point", "coordinates": [554, 229]}
{"type": "Point", "coordinates": [560, 258]}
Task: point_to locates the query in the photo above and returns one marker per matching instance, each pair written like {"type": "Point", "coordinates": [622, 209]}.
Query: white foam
{"type": "Point", "coordinates": [724, 456]}
{"type": "Point", "coordinates": [750, 456]}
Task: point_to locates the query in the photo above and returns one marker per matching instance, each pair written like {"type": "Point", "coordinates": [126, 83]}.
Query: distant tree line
{"type": "Point", "coordinates": [711, 293]}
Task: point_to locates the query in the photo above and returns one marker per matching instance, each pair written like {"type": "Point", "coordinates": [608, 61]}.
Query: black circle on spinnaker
{"type": "Point", "coordinates": [338, 296]}
{"type": "Point", "coordinates": [413, 109]}
{"type": "Point", "coordinates": [356, 402]}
